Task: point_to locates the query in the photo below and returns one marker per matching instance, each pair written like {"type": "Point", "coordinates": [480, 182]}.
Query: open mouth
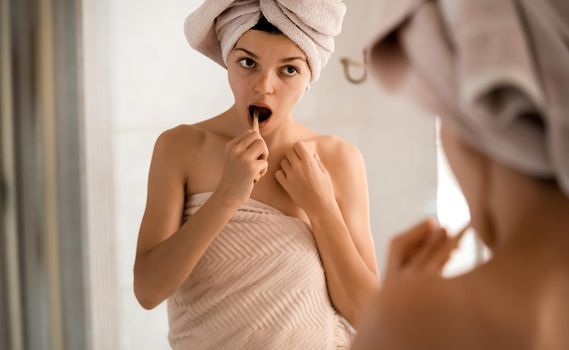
{"type": "Point", "coordinates": [264, 113]}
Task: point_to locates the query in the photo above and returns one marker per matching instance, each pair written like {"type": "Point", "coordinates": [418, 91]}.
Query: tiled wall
{"type": "Point", "coordinates": [158, 82]}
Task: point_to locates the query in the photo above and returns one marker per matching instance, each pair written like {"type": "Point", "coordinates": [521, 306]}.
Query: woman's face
{"type": "Point", "coordinates": [471, 170]}
{"type": "Point", "coordinates": [270, 72]}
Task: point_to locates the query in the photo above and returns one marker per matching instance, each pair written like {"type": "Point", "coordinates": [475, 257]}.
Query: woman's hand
{"type": "Point", "coordinates": [305, 179]}
{"type": "Point", "coordinates": [423, 249]}
{"type": "Point", "coordinates": [245, 161]}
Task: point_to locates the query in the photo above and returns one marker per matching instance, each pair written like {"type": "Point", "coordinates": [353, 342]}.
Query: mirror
{"type": "Point", "coordinates": [156, 81]}
{"type": "Point", "coordinates": [140, 78]}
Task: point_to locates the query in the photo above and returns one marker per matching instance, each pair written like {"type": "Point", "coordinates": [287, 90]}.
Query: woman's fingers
{"type": "Point", "coordinates": [411, 239]}
{"type": "Point", "coordinates": [281, 178]}
{"type": "Point", "coordinates": [433, 252]}
{"type": "Point", "coordinates": [252, 140]}
{"type": "Point", "coordinates": [285, 165]}
{"type": "Point", "coordinates": [404, 248]}
{"type": "Point", "coordinates": [252, 149]}
{"type": "Point", "coordinates": [247, 139]}
{"type": "Point", "coordinates": [319, 162]}
{"type": "Point", "coordinates": [445, 253]}
{"type": "Point", "coordinates": [301, 150]}
{"type": "Point", "coordinates": [240, 138]}
{"type": "Point", "coordinates": [442, 256]}
{"type": "Point", "coordinates": [426, 248]}
{"type": "Point", "coordinates": [292, 157]}
{"type": "Point", "coordinates": [264, 172]}
{"type": "Point", "coordinates": [261, 166]}
{"type": "Point", "coordinates": [257, 150]}
{"type": "Point", "coordinates": [264, 152]}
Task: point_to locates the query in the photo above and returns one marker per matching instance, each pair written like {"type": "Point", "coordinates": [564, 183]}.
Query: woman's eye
{"type": "Point", "coordinates": [290, 70]}
{"type": "Point", "coordinates": [247, 62]}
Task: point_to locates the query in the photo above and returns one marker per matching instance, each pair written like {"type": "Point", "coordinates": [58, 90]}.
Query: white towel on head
{"type": "Point", "coordinates": [495, 71]}
{"type": "Point", "coordinates": [214, 28]}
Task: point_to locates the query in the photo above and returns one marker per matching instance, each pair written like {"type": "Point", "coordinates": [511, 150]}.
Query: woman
{"type": "Point", "coordinates": [258, 239]}
{"type": "Point", "coordinates": [497, 72]}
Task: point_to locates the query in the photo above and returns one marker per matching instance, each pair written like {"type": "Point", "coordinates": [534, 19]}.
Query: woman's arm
{"type": "Point", "coordinates": [338, 213]}
{"type": "Point", "coordinates": [416, 308]}
{"type": "Point", "coordinates": [166, 252]}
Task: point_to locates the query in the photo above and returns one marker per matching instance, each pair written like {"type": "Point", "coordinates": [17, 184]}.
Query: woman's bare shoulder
{"type": "Point", "coordinates": [182, 134]}
{"type": "Point", "coordinates": [184, 137]}
{"type": "Point", "coordinates": [336, 148]}
{"type": "Point", "coordinates": [173, 147]}
{"type": "Point", "coordinates": [324, 140]}
{"type": "Point", "coordinates": [472, 311]}
{"type": "Point", "coordinates": [418, 313]}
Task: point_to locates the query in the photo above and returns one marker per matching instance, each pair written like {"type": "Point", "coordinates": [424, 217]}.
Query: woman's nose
{"type": "Point", "coordinates": [265, 84]}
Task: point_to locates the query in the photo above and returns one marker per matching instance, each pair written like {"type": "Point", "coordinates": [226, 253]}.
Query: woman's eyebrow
{"type": "Point", "coordinates": [247, 52]}
{"type": "Point", "coordinates": [284, 60]}
{"type": "Point", "coordinates": [292, 59]}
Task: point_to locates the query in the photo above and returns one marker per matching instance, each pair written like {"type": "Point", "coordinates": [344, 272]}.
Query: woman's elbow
{"type": "Point", "coordinates": [144, 298]}
{"type": "Point", "coordinates": [358, 304]}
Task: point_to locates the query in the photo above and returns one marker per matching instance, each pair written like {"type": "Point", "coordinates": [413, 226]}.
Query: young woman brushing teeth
{"type": "Point", "coordinates": [258, 237]}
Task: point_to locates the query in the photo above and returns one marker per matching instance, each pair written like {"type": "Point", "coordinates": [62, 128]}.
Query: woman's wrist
{"type": "Point", "coordinates": [224, 200]}
{"type": "Point", "coordinates": [323, 210]}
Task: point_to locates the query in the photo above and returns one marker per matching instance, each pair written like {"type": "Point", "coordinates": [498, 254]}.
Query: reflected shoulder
{"type": "Point", "coordinates": [176, 147]}
{"type": "Point", "coordinates": [183, 136]}
{"type": "Point", "coordinates": [341, 158]}
{"type": "Point", "coordinates": [334, 147]}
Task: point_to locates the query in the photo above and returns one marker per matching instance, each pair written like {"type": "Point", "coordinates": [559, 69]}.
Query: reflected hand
{"type": "Point", "coordinates": [305, 179]}
{"type": "Point", "coordinates": [245, 161]}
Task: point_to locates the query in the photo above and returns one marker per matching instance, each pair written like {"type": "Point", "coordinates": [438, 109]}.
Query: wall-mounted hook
{"type": "Point", "coordinates": [347, 62]}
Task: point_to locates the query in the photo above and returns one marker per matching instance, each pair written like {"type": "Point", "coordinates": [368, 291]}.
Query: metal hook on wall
{"type": "Point", "coordinates": [347, 62]}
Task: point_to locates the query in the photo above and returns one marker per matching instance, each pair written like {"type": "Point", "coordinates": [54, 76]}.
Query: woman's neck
{"type": "Point", "coordinates": [530, 216]}
{"type": "Point", "coordinates": [288, 133]}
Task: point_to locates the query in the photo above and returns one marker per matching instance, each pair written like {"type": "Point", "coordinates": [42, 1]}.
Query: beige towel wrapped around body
{"type": "Point", "coordinates": [260, 285]}
{"type": "Point", "coordinates": [496, 71]}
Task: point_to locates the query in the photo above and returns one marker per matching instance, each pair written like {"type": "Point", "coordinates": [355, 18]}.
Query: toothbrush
{"type": "Point", "coordinates": [458, 237]}
{"type": "Point", "coordinates": [256, 128]}
{"type": "Point", "coordinates": [256, 121]}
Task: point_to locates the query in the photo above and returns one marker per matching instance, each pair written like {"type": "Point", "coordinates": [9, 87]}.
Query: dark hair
{"type": "Point", "coordinates": [537, 121]}
{"type": "Point", "coordinates": [548, 181]}
{"type": "Point", "coordinates": [265, 26]}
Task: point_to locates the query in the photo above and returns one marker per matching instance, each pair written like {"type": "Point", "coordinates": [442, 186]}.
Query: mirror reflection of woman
{"type": "Point", "coordinates": [258, 239]}
{"type": "Point", "coordinates": [500, 86]}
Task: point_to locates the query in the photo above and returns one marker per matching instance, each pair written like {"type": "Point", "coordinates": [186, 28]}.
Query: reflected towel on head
{"type": "Point", "coordinates": [497, 72]}
{"type": "Point", "coordinates": [214, 28]}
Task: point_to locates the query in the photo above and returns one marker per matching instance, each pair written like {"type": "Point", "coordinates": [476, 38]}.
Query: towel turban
{"type": "Point", "coordinates": [214, 28]}
{"type": "Point", "coordinates": [497, 72]}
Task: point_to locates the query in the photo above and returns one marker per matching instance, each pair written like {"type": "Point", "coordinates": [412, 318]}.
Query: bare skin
{"type": "Point", "coordinates": [518, 300]}
{"type": "Point", "coordinates": [318, 179]}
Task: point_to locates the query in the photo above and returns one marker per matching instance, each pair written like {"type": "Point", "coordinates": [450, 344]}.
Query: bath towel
{"type": "Point", "coordinates": [260, 285]}
{"type": "Point", "coordinates": [214, 28]}
{"type": "Point", "coordinates": [495, 71]}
